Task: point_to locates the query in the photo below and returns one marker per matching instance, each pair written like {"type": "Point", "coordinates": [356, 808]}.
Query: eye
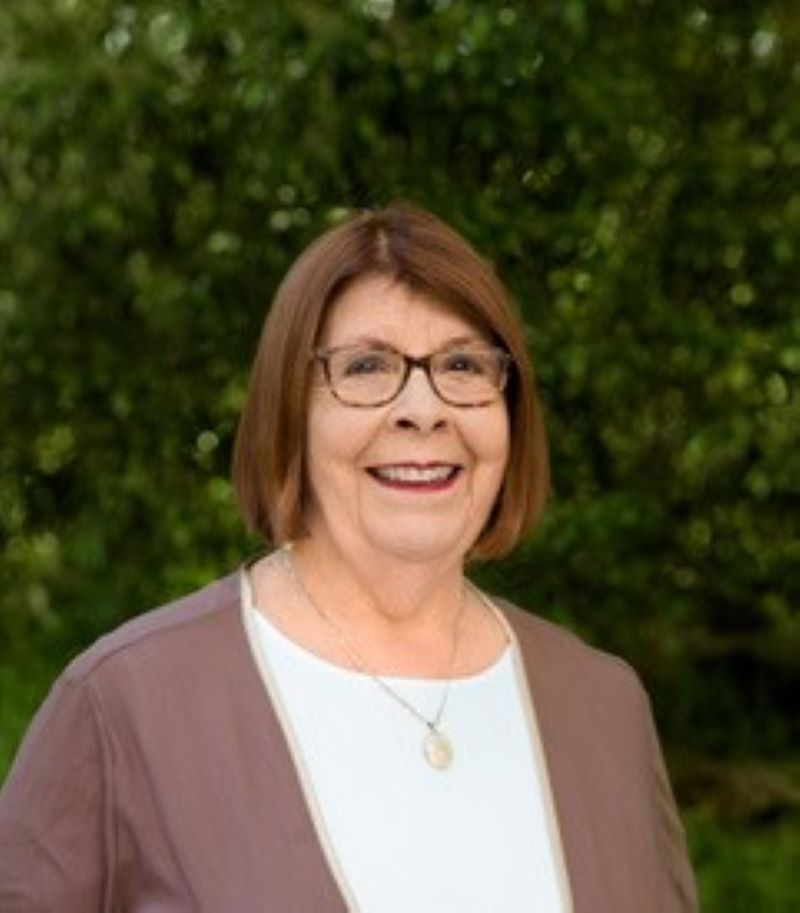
{"type": "Point", "coordinates": [475, 363]}
{"type": "Point", "coordinates": [365, 362]}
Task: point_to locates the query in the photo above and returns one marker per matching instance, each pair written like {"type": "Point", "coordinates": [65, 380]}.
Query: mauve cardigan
{"type": "Point", "coordinates": [156, 778]}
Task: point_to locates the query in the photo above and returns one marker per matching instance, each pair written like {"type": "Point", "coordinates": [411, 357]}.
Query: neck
{"type": "Point", "coordinates": [380, 591]}
{"type": "Point", "coordinates": [402, 619]}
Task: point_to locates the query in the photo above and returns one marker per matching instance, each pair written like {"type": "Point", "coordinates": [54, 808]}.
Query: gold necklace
{"type": "Point", "coordinates": [437, 749]}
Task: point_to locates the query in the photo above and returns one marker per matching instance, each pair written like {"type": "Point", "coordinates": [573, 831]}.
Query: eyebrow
{"type": "Point", "coordinates": [375, 342]}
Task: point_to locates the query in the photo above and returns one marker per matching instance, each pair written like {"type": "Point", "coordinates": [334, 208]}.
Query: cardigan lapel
{"type": "Point", "coordinates": [565, 757]}
{"type": "Point", "coordinates": [312, 857]}
{"type": "Point", "coordinates": [596, 734]}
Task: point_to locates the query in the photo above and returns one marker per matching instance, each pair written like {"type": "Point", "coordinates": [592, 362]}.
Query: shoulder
{"type": "Point", "coordinates": [551, 642]}
{"type": "Point", "coordinates": [575, 675]}
{"type": "Point", "coordinates": [116, 706]}
{"type": "Point", "coordinates": [165, 634]}
{"type": "Point", "coordinates": [151, 676]}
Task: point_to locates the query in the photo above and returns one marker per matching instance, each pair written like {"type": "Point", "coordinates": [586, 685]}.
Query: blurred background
{"type": "Point", "coordinates": [631, 167]}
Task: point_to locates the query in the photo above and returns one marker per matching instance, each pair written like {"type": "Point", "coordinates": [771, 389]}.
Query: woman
{"type": "Point", "coordinates": [346, 723]}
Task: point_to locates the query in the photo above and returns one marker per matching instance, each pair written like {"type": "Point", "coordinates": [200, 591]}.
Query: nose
{"type": "Point", "coordinates": [417, 406]}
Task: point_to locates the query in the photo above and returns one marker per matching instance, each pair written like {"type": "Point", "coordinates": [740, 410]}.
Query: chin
{"type": "Point", "coordinates": [417, 546]}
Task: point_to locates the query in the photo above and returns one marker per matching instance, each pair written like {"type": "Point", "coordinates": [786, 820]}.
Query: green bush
{"type": "Point", "coordinates": [630, 167]}
{"type": "Point", "coordinates": [742, 870]}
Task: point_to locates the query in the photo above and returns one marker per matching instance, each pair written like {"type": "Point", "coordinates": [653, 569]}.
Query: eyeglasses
{"type": "Point", "coordinates": [368, 375]}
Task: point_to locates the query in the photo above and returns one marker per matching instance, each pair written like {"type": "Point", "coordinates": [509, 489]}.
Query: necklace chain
{"type": "Point", "coordinates": [436, 746]}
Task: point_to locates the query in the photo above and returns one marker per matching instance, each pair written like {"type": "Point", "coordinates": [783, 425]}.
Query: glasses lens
{"type": "Point", "coordinates": [363, 376]}
{"type": "Point", "coordinates": [469, 377]}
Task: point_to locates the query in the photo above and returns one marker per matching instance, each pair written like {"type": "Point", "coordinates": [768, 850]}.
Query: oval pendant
{"type": "Point", "coordinates": [437, 750]}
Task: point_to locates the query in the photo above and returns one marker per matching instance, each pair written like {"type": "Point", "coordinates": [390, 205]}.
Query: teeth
{"type": "Point", "coordinates": [415, 474]}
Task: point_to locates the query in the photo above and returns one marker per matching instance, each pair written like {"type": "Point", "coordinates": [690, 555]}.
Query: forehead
{"type": "Point", "coordinates": [384, 309]}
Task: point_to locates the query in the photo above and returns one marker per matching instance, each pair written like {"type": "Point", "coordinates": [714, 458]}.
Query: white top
{"type": "Point", "coordinates": [407, 838]}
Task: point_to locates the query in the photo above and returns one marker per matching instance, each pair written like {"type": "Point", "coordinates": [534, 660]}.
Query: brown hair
{"type": "Point", "coordinates": [418, 250]}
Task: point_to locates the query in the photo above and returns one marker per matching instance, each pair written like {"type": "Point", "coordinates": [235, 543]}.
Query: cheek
{"type": "Point", "coordinates": [489, 441]}
{"type": "Point", "coordinates": [334, 443]}
{"type": "Point", "coordinates": [496, 455]}
{"type": "Point", "coordinates": [320, 455]}
{"type": "Point", "coordinates": [492, 441]}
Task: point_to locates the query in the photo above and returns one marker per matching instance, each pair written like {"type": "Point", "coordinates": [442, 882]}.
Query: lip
{"type": "Point", "coordinates": [416, 476]}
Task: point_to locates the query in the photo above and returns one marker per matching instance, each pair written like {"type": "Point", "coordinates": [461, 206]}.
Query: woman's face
{"type": "Point", "coordinates": [415, 478]}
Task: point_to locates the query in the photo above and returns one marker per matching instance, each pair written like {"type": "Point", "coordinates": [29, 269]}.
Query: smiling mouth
{"type": "Point", "coordinates": [430, 477]}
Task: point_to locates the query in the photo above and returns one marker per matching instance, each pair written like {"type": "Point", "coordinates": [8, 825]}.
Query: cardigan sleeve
{"type": "Point", "coordinates": [53, 846]}
{"type": "Point", "coordinates": [682, 890]}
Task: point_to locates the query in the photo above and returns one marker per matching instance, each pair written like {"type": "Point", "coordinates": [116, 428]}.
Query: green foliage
{"type": "Point", "coordinates": [740, 871]}
{"type": "Point", "coordinates": [631, 168]}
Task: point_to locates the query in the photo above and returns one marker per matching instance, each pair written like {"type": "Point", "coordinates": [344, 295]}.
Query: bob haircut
{"type": "Point", "coordinates": [414, 248]}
